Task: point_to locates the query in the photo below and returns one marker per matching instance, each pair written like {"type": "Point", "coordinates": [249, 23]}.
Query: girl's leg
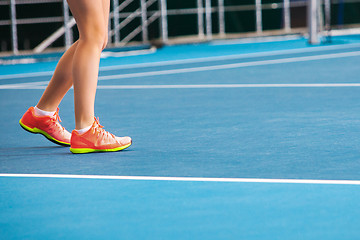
{"type": "Point", "coordinates": [84, 57]}
{"type": "Point", "coordinates": [51, 98]}
{"type": "Point", "coordinates": [92, 25]}
{"type": "Point", "coordinates": [106, 12]}
{"type": "Point", "coordinates": [60, 82]}
{"type": "Point", "coordinates": [62, 78]}
{"type": "Point", "coordinates": [92, 20]}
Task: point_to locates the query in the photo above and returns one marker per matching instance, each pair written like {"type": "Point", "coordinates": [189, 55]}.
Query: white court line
{"type": "Point", "coordinates": [33, 85]}
{"type": "Point", "coordinates": [30, 85]}
{"type": "Point", "coordinates": [185, 179]}
{"type": "Point", "coordinates": [198, 60]}
{"type": "Point", "coordinates": [23, 75]}
{"type": "Point", "coordinates": [189, 86]}
{"type": "Point", "coordinates": [110, 53]}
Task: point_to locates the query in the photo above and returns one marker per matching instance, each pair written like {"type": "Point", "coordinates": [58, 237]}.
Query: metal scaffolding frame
{"type": "Point", "coordinates": [316, 22]}
{"type": "Point", "coordinates": [14, 27]}
{"type": "Point", "coordinates": [147, 15]}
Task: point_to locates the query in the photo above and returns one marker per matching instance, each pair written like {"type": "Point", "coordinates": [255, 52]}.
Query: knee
{"type": "Point", "coordinates": [102, 39]}
{"type": "Point", "coordinates": [96, 36]}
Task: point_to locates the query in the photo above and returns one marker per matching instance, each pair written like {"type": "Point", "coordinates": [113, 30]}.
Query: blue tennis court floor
{"type": "Point", "coordinates": [231, 140]}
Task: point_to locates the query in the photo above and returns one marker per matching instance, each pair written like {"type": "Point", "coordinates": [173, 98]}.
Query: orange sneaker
{"type": "Point", "coordinates": [96, 139]}
{"type": "Point", "coordinates": [47, 126]}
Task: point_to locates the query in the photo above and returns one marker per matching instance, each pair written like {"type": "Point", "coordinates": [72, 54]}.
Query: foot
{"type": "Point", "coordinates": [96, 139]}
{"type": "Point", "coordinates": [48, 126]}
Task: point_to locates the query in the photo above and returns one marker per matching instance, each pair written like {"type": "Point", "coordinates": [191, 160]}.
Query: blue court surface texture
{"type": "Point", "coordinates": [231, 140]}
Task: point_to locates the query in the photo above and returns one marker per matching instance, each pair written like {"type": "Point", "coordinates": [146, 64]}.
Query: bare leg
{"type": "Point", "coordinates": [106, 12]}
{"type": "Point", "coordinates": [62, 79]}
{"type": "Point", "coordinates": [92, 25]}
{"type": "Point", "coordinates": [79, 65]}
{"type": "Point", "coordinates": [60, 82]}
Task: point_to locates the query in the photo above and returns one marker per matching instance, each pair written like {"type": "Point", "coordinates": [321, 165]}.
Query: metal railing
{"type": "Point", "coordinates": [204, 11]}
{"type": "Point", "coordinates": [150, 11]}
{"type": "Point", "coordinates": [320, 22]}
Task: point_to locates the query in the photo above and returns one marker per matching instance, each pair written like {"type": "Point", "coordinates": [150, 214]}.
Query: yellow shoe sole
{"type": "Point", "coordinates": [91, 150]}
{"type": "Point", "coordinates": [45, 134]}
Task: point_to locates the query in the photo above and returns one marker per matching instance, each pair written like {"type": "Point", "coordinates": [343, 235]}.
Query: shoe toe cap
{"type": "Point", "coordinates": [124, 140]}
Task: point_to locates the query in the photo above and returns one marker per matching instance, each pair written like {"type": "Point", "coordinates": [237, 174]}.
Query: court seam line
{"type": "Point", "coordinates": [230, 66]}
{"type": "Point", "coordinates": [264, 39]}
{"type": "Point", "coordinates": [226, 57]}
{"type": "Point", "coordinates": [185, 179]}
{"type": "Point", "coordinates": [207, 68]}
{"type": "Point", "coordinates": [201, 59]}
{"type": "Point", "coordinates": [308, 85]}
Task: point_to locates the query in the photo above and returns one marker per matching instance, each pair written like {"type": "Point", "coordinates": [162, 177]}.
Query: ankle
{"type": "Point", "coordinates": [82, 122]}
{"type": "Point", "coordinates": [83, 130]}
{"type": "Point", "coordinates": [39, 112]}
